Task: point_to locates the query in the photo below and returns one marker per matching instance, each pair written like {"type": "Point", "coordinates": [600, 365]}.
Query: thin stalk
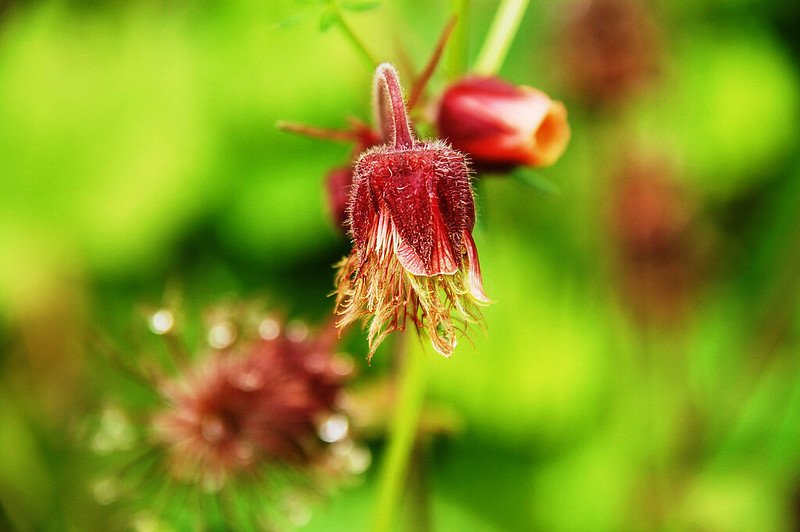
{"type": "Point", "coordinates": [501, 33]}
{"type": "Point", "coordinates": [403, 433]}
{"type": "Point", "coordinates": [315, 132]}
{"type": "Point", "coordinates": [417, 497]}
{"type": "Point", "coordinates": [358, 44]}
{"type": "Point", "coordinates": [427, 72]}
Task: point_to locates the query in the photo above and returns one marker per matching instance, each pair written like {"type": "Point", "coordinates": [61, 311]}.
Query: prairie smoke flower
{"type": "Point", "coordinates": [260, 409]}
{"type": "Point", "coordinates": [251, 404]}
{"type": "Point", "coordinates": [411, 216]}
{"type": "Point", "coordinates": [501, 125]}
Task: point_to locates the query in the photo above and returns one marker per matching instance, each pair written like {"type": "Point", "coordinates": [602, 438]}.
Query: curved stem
{"type": "Point", "coordinates": [394, 469]}
{"type": "Point", "coordinates": [390, 109]}
{"type": "Point", "coordinates": [433, 61]}
{"type": "Point", "coordinates": [498, 41]}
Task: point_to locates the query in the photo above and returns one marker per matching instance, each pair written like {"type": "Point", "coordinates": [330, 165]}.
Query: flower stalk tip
{"type": "Point", "coordinates": [390, 109]}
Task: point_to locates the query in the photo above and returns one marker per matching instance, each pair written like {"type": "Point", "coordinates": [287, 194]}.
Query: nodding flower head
{"type": "Point", "coordinates": [503, 125]}
{"type": "Point", "coordinates": [411, 215]}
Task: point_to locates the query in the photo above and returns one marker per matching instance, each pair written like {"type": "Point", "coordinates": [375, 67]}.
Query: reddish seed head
{"type": "Point", "coordinates": [500, 124]}
{"type": "Point", "coordinates": [253, 405]}
{"type": "Point", "coordinates": [411, 217]}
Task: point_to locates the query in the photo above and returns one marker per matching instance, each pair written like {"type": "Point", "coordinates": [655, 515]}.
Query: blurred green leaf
{"type": "Point", "coordinates": [474, 484]}
{"type": "Point", "coordinates": [358, 5]}
{"type": "Point", "coordinates": [734, 499]}
{"type": "Point", "coordinates": [730, 109]}
{"type": "Point", "coordinates": [329, 18]}
{"type": "Point", "coordinates": [536, 372]}
{"type": "Point", "coordinates": [295, 19]}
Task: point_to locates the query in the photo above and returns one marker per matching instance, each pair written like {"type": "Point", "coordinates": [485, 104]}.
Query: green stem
{"type": "Point", "coordinates": [418, 503]}
{"type": "Point", "coordinates": [403, 434]}
{"type": "Point", "coordinates": [498, 40]}
{"type": "Point", "coordinates": [363, 52]}
{"type": "Point", "coordinates": [457, 52]}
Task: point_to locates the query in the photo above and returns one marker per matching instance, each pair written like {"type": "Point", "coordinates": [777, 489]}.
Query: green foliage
{"type": "Point", "coordinates": [732, 109]}
{"type": "Point", "coordinates": [139, 150]}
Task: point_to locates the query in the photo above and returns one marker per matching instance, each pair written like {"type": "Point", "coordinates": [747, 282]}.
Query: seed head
{"type": "Point", "coordinates": [257, 416]}
{"type": "Point", "coordinates": [255, 403]}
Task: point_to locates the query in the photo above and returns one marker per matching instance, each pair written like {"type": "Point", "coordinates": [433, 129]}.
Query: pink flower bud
{"type": "Point", "coordinates": [500, 124]}
{"type": "Point", "coordinates": [411, 217]}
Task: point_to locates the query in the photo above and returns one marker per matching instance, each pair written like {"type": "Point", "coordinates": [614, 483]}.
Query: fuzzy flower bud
{"type": "Point", "coordinates": [500, 125]}
{"type": "Point", "coordinates": [411, 217]}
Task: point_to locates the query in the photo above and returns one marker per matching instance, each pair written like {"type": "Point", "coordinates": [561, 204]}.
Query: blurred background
{"type": "Point", "coordinates": [640, 367]}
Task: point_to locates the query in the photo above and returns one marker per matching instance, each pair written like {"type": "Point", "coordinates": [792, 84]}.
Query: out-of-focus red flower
{"type": "Point", "coordinates": [338, 183]}
{"type": "Point", "coordinates": [500, 124]}
{"type": "Point", "coordinates": [656, 234]}
{"type": "Point", "coordinates": [258, 415]}
{"type": "Point", "coordinates": [248, 406]}
{"type": "Point", "coordinates": [609, 49]}
{"type": "Point", "coordinates": [411, 217]}
{"type": "Point", "coordinates": [339, 180]}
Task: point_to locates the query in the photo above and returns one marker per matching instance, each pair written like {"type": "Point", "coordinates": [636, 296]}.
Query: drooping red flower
{"type": "Point", "coordinates": [502, 125]}
{"type": "Point", "coordinates": [411, 216]}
